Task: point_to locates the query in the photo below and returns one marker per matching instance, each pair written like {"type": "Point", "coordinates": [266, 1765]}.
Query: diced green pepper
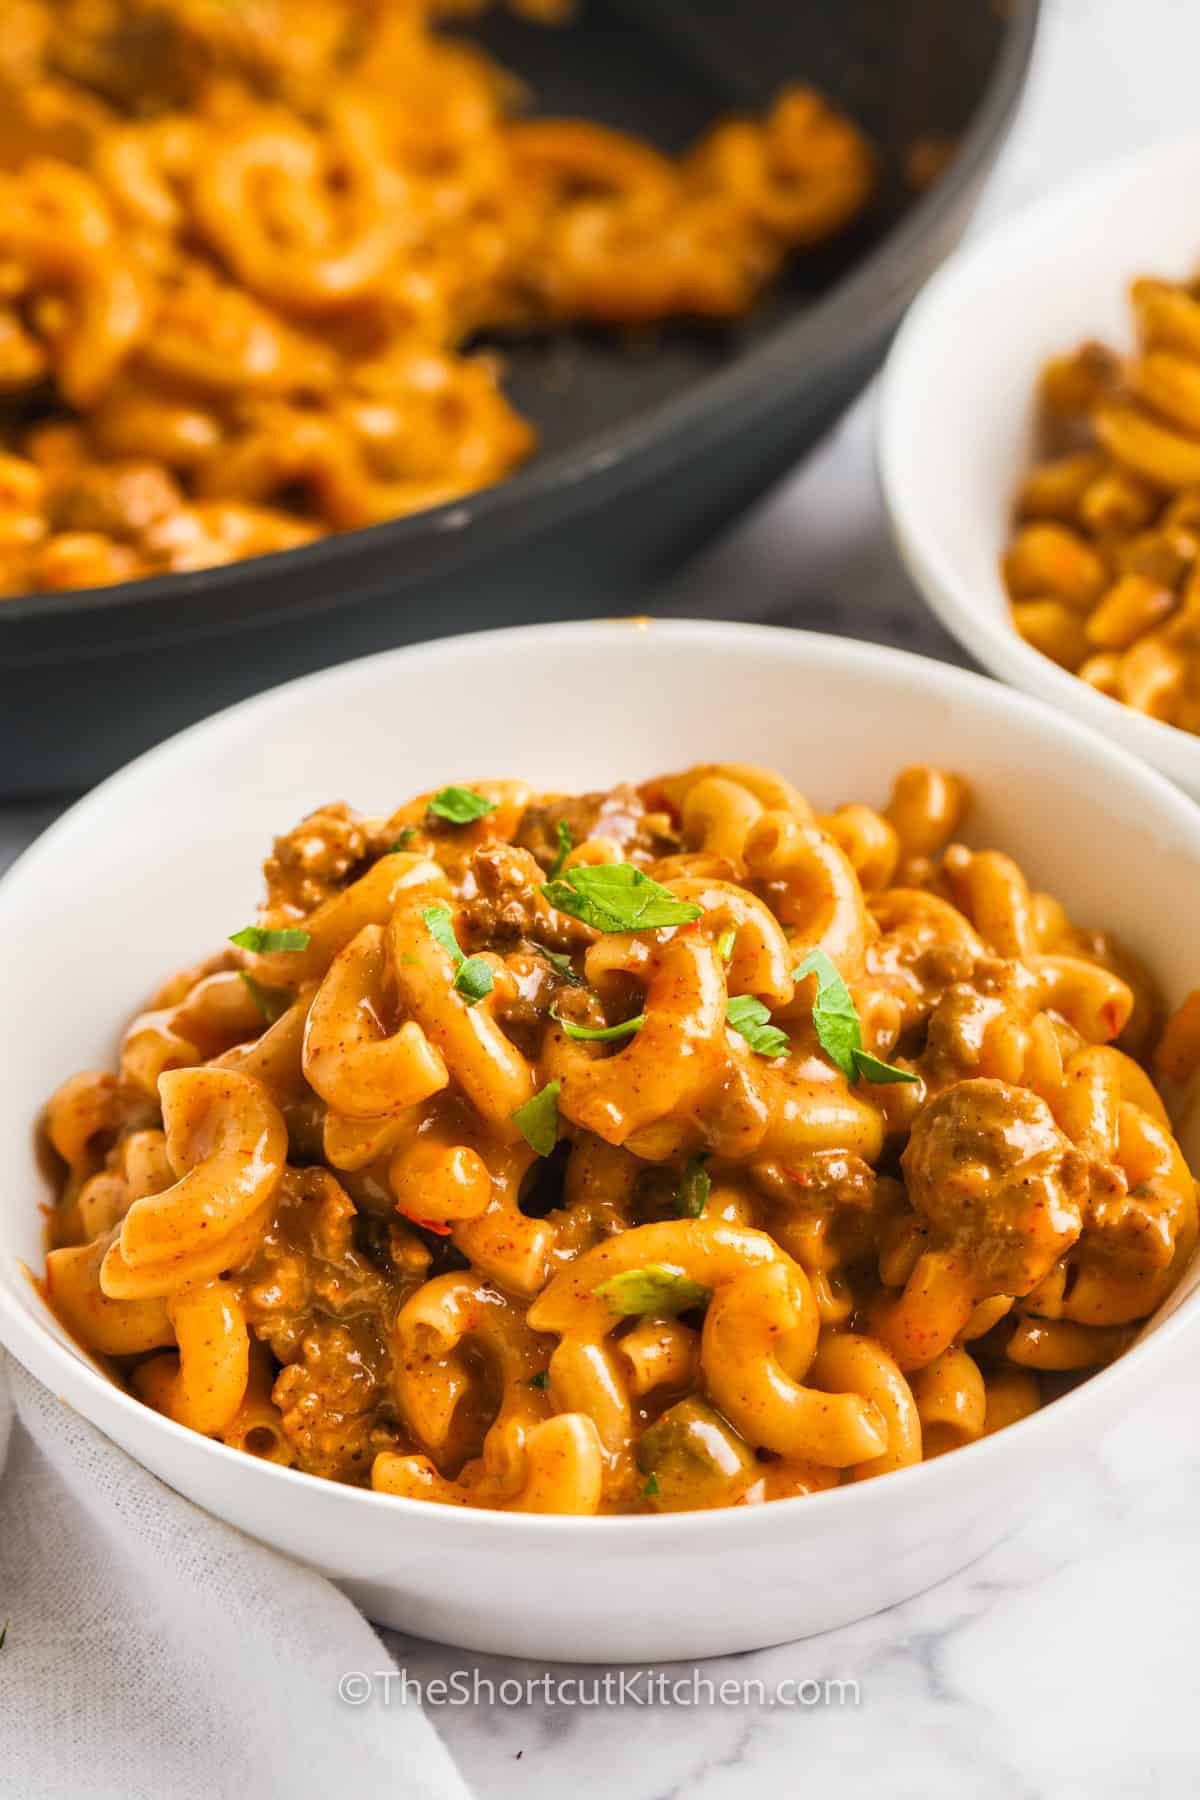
{"type": "Point", "coordinates": [697, 1459]}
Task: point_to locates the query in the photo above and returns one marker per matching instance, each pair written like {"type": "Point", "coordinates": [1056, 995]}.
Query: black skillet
{"type": "Point", "coordinates": [648, 450]}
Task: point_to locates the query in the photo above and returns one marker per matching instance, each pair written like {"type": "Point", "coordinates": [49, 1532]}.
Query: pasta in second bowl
{"type": "Point", "coordinates": [962, 426]}
{"type": "Point", "coordinates": [689, 1144]}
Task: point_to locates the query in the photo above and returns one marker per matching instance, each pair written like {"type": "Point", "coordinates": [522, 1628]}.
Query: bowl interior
{"type": "Point", "coordinates": [957, 430]}
{"type": "Point", "coordinates": [158, 865]}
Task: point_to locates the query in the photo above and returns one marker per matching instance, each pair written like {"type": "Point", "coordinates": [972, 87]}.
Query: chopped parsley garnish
{"type": "Point", "coordinates": [264, 940]}
{"type": "Point", "coordinates": [474, 979]}
{"type": "Point", "coordinates": [838, 1027]}
{"type": "Point", "coordinates": [599, 1034]}
{"type": "Point", "coordinates": [558, 959]}
{"type": "Point", "coordinates": [617, 897]}
{"type": "Point", "coordinates": [654, 1288]}
{"type": "Point", "coordinates": [405, 839]}
{"type": "Point", "coordinates": [725, 944]}
{"type": "Point", "coordinates": [651, 1487]}
{"type": "Point", "coordinates": [881, 1073]}
{"type": "Point", "coordinates": [460, 806]}
{"type": "Point", "coordinates": [695, 1185]}
{"type": "Point", "coordinates": [440, 927]}
{"type": "Point", "coordinates": [472, 974]}
{"type": "Point", "coordinates": [747, 1015]}
{"type": "Point", "coordinates": [566, 843]}
{"type": "Point", "coordinates": [272, 1003]}
{"type": "Point", "coordinates": [541, 1380]}
{"type": "Point", "coordinates": [537, 1120]}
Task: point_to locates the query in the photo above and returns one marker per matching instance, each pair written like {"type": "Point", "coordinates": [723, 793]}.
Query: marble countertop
{"type": "Point", "coordinates": [1061, 1664]}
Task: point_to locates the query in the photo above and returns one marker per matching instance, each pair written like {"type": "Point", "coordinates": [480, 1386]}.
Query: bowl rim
{"type": "Point", "coordinates": [952, 598]}
{"type": "Point", "coordinates": [635, 450]}
{"type": "Point", "coordinates": [21, 1329]}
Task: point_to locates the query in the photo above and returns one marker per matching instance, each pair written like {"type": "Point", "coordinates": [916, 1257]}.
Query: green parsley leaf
{"type": "Point", "coordinates": [725, 944]}
{"type": "Point", "coordinates": [695, 1185]}
{"type": "Point", "coordinates": [747, 1015]}
{"type": "Point", "coordinates": [599, 1034]}
{"type": "Point", "coordinates": [617, 897]}
{"type": "Point", "coordinates": [541, 1380]}
{"type": "Point", "coordinates": [559, 960]}
{"type": "Point", "coordinates": [460, 806]}
{"type": "Point", "coordinates": [651, 1487]}
{"type": "Point", "coordinates": [440, 927]}
{"type": "Point", "coordinates": [835, 1017]}
{"type": "Point", "coordinates": [654, 1288]}
{"type": "Point", "coordinates": [881, 1073]}
{"type": "Point", "coordinates": [837, 1024]}
{"type": "Point", "coordinates": [472, 975]}
{"type": "Point", "coordinates": [264, 941]}
{"type": "Point", "coordinates": [537, 1120]}
{"type": "Point", "coordinates": [566, 843]}
{"type": "Point", "coordinates": [272, 1003]}
{"type": "Point", "coordinates": [474, 979]}
{"type": "Point", "coordinates": [405, 839]}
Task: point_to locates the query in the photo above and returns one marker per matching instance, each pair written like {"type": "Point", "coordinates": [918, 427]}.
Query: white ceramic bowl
{"type": "Point", "coordinates": [153, 868]}
{"type": "Point", "coordinates": [957, 412]}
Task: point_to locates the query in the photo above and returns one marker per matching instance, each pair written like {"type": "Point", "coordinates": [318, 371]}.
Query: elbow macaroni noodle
{"type": "Point", "coordinates": [442, 1183]}
{"type": "Point", "coordinates": [248, 251]}
{"type": "Point", "coordinates": [1103, 570]}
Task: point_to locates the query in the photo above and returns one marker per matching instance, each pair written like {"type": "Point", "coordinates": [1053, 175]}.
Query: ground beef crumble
{"type": "Point", "coordinates": [325, 1310]}
{"type": "Point", "coordinates": [312, 861]}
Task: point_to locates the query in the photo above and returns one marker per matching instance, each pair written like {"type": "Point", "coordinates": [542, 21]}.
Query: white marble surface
{"type": "Point", "coordinates": [1062, 1664]}
{"type": "Point", "coordinates": [1059, 1667]}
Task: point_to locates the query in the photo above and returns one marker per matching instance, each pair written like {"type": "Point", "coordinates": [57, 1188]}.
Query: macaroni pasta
{"type": "Point", "coordinates": [246, 252]}
{"type": "Point", "coordinates": [1103, 570]}
{"type": "Point", "coordinates": [658, 1149]}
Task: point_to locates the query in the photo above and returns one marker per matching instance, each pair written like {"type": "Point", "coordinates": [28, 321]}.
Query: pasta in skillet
{"type": "Point", "coordinates": [658, 1149]}
{"type": "Point", "coordinates": [247, 252]}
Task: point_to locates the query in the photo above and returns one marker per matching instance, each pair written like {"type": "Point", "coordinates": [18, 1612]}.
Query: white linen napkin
{"type": "Point", "coordinates": [154, 1653]}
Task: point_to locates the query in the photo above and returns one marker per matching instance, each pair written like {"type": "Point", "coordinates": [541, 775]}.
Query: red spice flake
{"type": "Point", "coordinates": [433, 1225]}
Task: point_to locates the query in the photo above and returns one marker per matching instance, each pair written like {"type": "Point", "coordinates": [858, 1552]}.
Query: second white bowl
{"type": "Point", "coordinates": [957, 412]}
